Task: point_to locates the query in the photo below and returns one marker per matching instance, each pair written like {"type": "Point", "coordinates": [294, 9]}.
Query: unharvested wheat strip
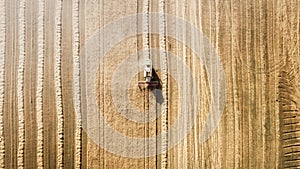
{"type": "Point", "coordinates": [58, 92]}
{"type": "Point", "coordinates": [164, 61]}
{"type": "Point", "coordinates": [21, 118]}
{"type": "Point", "coordinates": [76, 43]}
{"type": "Point", "coordinates": [40, 84]}
{"type": "Point", "coordinates": [2, 61]}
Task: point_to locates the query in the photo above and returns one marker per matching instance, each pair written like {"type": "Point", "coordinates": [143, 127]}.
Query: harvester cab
{"type": "Point", "coordinates": [148, 77]}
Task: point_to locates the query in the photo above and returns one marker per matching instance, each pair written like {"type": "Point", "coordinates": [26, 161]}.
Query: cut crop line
{"type": "Point", "coordinates": [2, 83]}
{"type": "Point", "coordinates": [76, 89]}
{"type": "Point", "coordinates": [291, 145]}
{"type": "Point", "coordinates": [40, 84]}
{"type": "Point", "coordinates": [146, 47]}
{"type": "Point", "coordinates": [20, 95]}
{"type": "Point", "coordinates": [146, 38]}
{"type": "Point", "coordinates": [164, 61]}
{"type": "Point", "coordinates": [58, 90]}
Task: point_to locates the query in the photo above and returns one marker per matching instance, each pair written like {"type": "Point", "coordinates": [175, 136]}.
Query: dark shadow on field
{"type": "Point", "coordinates": [158, 92]}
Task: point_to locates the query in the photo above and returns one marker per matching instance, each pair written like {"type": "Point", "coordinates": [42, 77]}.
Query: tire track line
{"type": "Point", "coordinates": [20, 85]}
{"type": "Point", "coordinates": [164, 63]}
{"type": "Point", "coordinates": [40, 85]}
{"type": "Point", "coordinates": [2, 82]}
{"type": "Point", "coordinates": [77, 102]}
{"type": "Point", "coordinates": [58, 86]}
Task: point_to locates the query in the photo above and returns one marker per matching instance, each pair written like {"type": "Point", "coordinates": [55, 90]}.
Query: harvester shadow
{"type": "Point", "coordinates": [158, 92]}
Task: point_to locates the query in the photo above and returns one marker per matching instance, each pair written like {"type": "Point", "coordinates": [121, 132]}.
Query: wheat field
{"type": "Point", "coordinates": [228, 94]}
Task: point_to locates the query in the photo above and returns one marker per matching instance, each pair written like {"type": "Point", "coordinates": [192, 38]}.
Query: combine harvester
{"type": "Point", "coordinates": [148, 77]}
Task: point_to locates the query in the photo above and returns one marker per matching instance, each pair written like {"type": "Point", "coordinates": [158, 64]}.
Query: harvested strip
{"type": "Point", "coordinates": [40, 84]}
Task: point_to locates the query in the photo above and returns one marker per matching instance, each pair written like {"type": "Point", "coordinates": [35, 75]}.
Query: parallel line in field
{"type": "Point", "coordinates": [183, 149]}
{"type": "Point", "coordinates": [295, 144]}
{"type": "Point", "coordinates": [58, 84]}
{"type": "Point", "coordinates": [289, 133]}
{"type": "Point", "coordinates": [40, 85]}
{"type": "Point", "coordinates": [2, 82]}
{"type": "Point", "coordinates": [146, 40]}
{"type": "Point", "coordinates": [164, 63]}
{"type": "Point", "coordinates": [198, 155]}
{"type": "Point", "coordinates": [83, 140]}
{"type": "Point", "coordinates": [298, 29]}
{"type": "Point", "coordinates": [76, 89]}
{"type": "Point", "coordinates": [20, 84]}
{"type": "Point", "coordinates": [195, 131]}
{"type": "Point", "coordinates": [202, 78]}
{"type": "Point", "coordinates": [216, 45]}
{"type": "Point", "coordinates": [257, 79]}
{"type": "Point", "coordinates": [146, 48]}
{"type": "Point", "coordinates": [236, 116]}
{"type": "Point", "coordinates": [10, 101]}
{"type": "Point", "coordinates": [275, 48]}
{"type": "Point", "coordinates": [292, 153]}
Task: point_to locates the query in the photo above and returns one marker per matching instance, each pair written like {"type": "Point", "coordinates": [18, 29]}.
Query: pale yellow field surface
{"type": "Point", "coordinates": [228, 93]}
